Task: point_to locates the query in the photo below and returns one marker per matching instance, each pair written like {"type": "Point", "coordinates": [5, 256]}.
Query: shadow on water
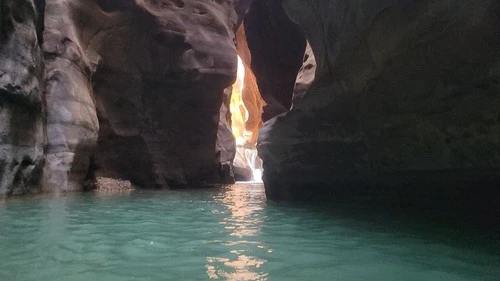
{"type": "Point", "coordinates": [233, 233]}
{"type": "Point", "coordinates": [454, 231]}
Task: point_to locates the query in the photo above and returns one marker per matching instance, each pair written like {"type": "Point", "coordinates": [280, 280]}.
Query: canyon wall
{"type": "Point", "coordinates": [21, 98]}
{"type": "Point", "coordinates": [405, 104]}
{"type": "Point", "coordinates": [133, 91]}
{"type": "Point", "coordinates": [277, 46]}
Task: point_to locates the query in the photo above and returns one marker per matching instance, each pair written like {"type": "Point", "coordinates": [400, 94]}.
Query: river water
{"type": "Point", "coordinates": [229, 233]}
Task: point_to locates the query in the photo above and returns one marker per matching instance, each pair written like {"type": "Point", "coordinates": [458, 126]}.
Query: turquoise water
{"type": "Point", "coordinates": [231, 233]}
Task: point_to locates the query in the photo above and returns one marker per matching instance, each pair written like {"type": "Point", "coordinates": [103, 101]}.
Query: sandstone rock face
{"type": "Point", "coordinates": [225, 145]}
{"type": "Point", "coordinates": [406, 100]}
{"type": "Point", "coordinates": [246, 114]}
{"type": "Point", "coordinates": [72, 125]}
{"type": "Point", "coordinates": [251, 96]}
{"type": "Point", "coordinates": [133, 91]}
{"type": "Point", "coordinates": [152, 73]}
{"type": "Point", "coordinates": [306, 76]}
{"type": "Point", "coordinates": [277, 47]}
{"type": "Point", "coordinates": [21, 98]}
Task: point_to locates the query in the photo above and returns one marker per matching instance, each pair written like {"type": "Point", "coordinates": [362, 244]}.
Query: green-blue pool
{"type": "Point", "coordinates": [229, 233]}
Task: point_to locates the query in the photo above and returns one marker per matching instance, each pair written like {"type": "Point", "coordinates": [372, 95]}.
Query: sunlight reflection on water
{"type": "Point", "coordinates": [229, 233]}
{"type": "Point", "coordinates": [241, 223]}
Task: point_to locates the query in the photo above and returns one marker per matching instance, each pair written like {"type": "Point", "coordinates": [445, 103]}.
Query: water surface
{"type": "Point", "coordinates": [228, 233]}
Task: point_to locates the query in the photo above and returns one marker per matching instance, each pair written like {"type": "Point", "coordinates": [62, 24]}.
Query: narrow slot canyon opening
{"type": "Point", "coordinates": [246, 107]}
{"type": "Point", "coordinates": [274, 72]}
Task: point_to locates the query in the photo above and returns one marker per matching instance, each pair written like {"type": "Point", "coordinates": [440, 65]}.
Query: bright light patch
{"type": "Point", "coordinates": [239, 113]}
{"type": "Point", "coordinates": [248, 158]}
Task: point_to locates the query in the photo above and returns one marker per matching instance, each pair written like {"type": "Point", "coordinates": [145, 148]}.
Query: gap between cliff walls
{"type": "Point", "coordinates": [246, 107]}
{"type": "Point", "coordinates": [273, 73]}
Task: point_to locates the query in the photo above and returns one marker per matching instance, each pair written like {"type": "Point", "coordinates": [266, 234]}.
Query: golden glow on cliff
{"type": "Point", "coordinates": [246, 110]}
{"type": "Point", "coordinates": [239, 112]}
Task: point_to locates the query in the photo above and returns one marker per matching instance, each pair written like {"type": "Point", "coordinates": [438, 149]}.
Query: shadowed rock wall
{"type": "Point", "coordinates": [133, 90]}
{"type": "Point", "coordinates": [157, 71]}
{"type": "Point", "coordinates": [405, 104]}
{"type": "Point", "coordinates": [21, 98]}
{"type": "Point", "coordinates": [277, 47]}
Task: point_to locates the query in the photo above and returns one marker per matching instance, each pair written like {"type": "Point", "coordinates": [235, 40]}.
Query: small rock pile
{"type": "Point", "coordinates": [111, 185]}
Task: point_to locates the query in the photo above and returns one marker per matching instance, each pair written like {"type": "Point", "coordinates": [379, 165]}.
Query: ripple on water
{"type": "Point", "coordinates": [230, 233]}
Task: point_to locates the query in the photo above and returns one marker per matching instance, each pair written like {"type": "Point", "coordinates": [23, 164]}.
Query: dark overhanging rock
{"type": "Point", "coordinates": [404, 107]}
{"type": "Point", "coordinates": [277, 47]}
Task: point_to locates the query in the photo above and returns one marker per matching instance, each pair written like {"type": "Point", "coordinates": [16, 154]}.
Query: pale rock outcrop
{"type": "Point", "coordinates": [72, 125]}
{"type": "Point", "coordinates": [405, 105]}
{"type": "Point", "coordinates": [306, 76]}
{"type": "Point", "coordinates": [21, 98]}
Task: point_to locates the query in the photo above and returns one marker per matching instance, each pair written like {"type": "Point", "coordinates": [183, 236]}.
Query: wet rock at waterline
{"type": "Point", "coordinates": [406, 100]}
{"type": "Point", "coordinates": [405, 93]}
{"type": "Point", "coordinates": [21, 98]}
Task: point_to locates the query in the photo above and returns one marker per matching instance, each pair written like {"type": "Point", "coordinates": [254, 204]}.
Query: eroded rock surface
{"type": "Point", "coordinates": [133, 91]}
{"type": "Point", "coordinates": [158, 96]}
{"type": "Point", "coordinates": [72, 125]}
{"type": "Point", "coordinates": [277, 46]}
{"type": "Point", "coordinates": [21, 98]}
{"type": "Point", "coordinates": [406, 100]}
{"type": "Point", "coordinates": [246, 114]}
{"type": "Point", "coordinates": [306, 76]}
{"type": "Point", "coordinates": [225, 146]}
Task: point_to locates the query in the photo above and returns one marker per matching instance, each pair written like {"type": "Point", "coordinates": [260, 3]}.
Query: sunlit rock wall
{"type": "Point", "coordinates": [21, 98]}
{"type": "Point", "coordinates": [306, 76]}
{"type": "Point", "coordinates": [246, 114]}
{"type": "Point", "coordinates": [406, 100]}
